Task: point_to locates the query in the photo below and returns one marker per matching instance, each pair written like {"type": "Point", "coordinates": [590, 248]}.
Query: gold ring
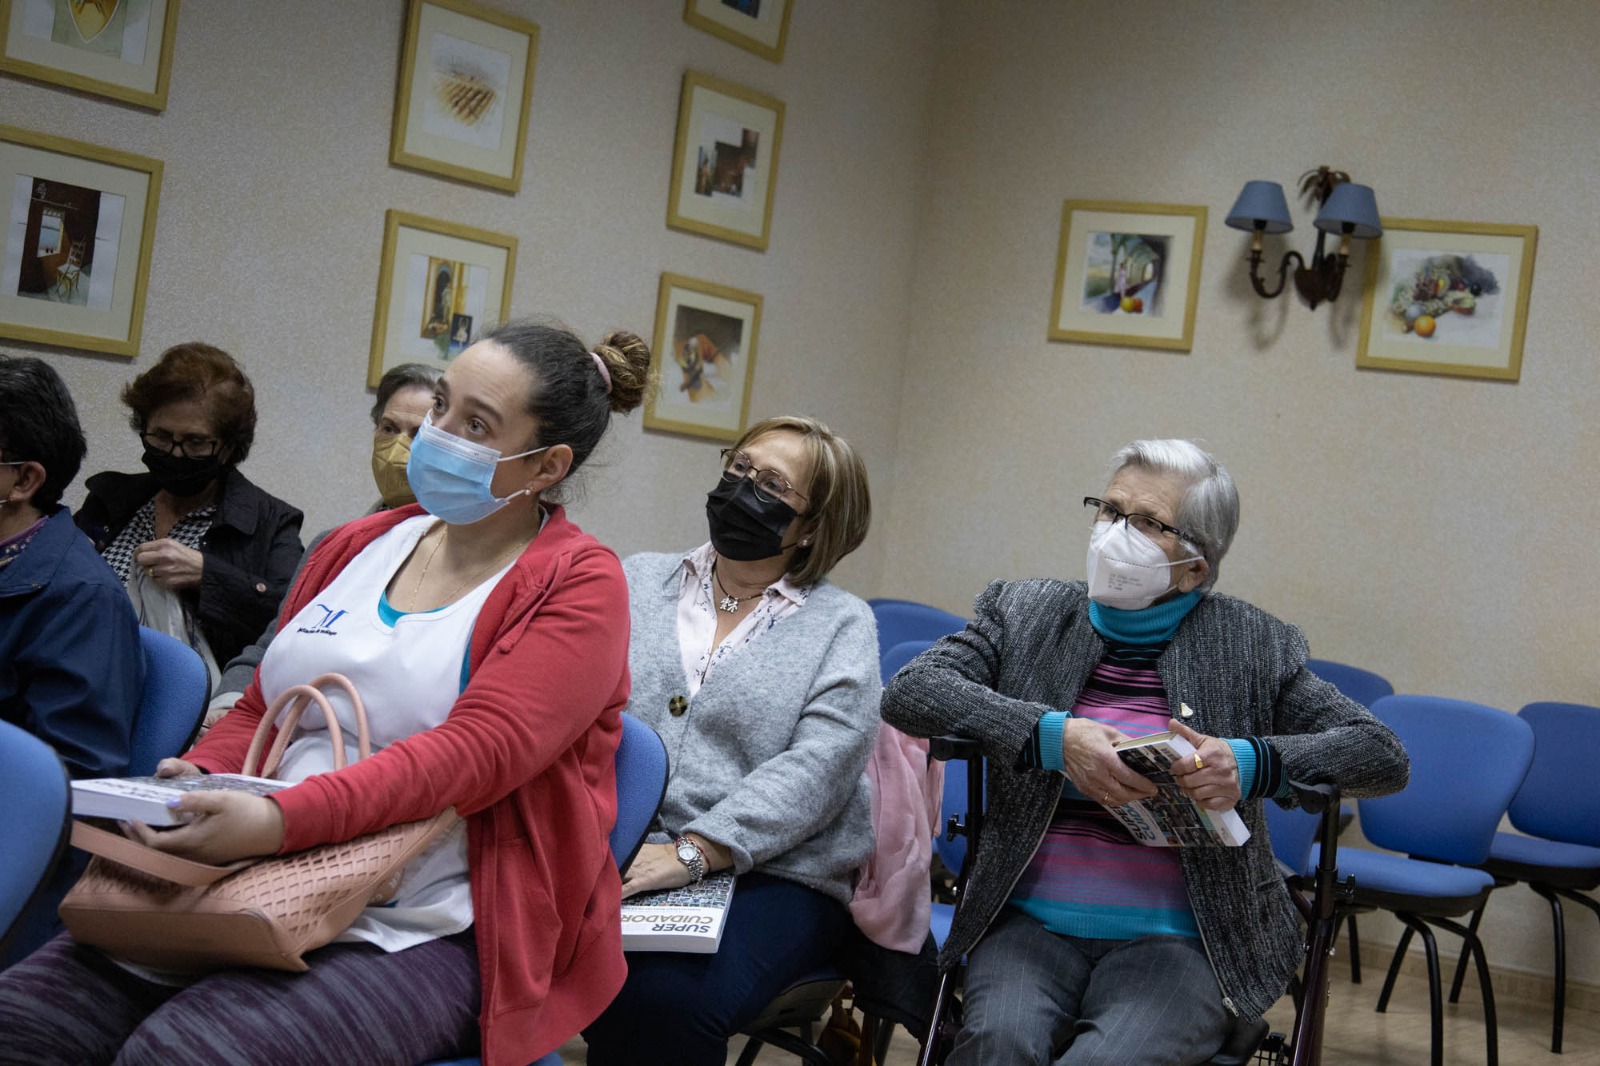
{"type": "Point", "coordinates": [1105, 799]}
{"type": "Point", "coordinates": [1198, 765]}
{"type": "Point", "coordinates": [149, 571]}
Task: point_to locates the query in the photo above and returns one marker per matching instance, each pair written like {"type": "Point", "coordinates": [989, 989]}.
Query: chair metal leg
{"type": "Point", "coordinates": [1559, 1023]}
{"type": "Point", "coordinates": [752, 1048]}
{"type": "Point", "coordinates": [1430, 948]}
{"type": "Point", "coordinates": [1470, 942]}
{"type": "Point", "coordinates": [1355, 949]}
{"type": "Point", "coordinates": [936, 1045]}
{"type": "Point", "coordinates": [1394, 968]}
{"type": "Point", "coordinates": [1461, 963]}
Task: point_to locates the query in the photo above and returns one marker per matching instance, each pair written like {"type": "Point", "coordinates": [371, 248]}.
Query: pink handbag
{"type": "Point", "coordinates": [148, 907]}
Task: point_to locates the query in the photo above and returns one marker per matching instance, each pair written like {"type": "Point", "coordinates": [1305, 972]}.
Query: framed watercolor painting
{"type": "Point", "coordinates": [1448, 298]}
{"type": "Point", "coordinates": [466, 83]}
{"type": "Point", "coordinates": [1128, 274]}
{"type": "Point", "coordinates": [80, 221]}
{"type": "Point", "coordinates": [121, 49]}
{"type": "Point", "coordinates": [725, 165]}
{"type": "Point", "coordinates": [705, 357]}
{"type": "Point", "coordinates": [439, 285]}
{"type": "Point", "coordinates": [759, 26]}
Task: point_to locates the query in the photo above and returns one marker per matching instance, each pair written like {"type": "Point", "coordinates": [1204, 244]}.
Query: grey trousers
{"type": "Point", "coordinates": [1033, 997]}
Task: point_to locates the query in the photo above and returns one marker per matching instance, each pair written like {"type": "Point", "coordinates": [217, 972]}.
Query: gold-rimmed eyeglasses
{"type": "Point", "coordinates": [769, 484]}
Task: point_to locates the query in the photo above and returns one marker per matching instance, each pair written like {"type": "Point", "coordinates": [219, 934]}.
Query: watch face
{"type": "Point", "coordinates": [687, 852]}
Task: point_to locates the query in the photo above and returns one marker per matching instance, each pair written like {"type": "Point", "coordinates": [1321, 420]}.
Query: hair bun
{"type": "Point", "coordinates": [627, 359]}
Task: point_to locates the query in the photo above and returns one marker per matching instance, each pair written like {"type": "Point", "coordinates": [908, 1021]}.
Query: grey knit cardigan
{"type": "Point", "coordinates": [1031, 648]}
{"type": "Point", "coordinates": [769, 759]}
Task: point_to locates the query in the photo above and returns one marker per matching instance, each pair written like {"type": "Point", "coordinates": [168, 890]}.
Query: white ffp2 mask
{"type": "Point", "coordinates": [1127, 569]}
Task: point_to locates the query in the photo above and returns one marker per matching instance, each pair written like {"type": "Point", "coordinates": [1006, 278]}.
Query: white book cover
{"type": "Point", "coordinates": [690, 918]}
{"type": "Point", "coordinates": [144, 799]}
{"type": "Point", "coordinates": [1170, 819]}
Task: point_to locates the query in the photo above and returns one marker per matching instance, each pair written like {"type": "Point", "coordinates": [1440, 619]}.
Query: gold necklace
{"type": "Point", "coordinates": [474, 577]}
{"type": "Point", "coordinates": [427, 563]}
{"type": "Point", "coordinates": [729, 603]}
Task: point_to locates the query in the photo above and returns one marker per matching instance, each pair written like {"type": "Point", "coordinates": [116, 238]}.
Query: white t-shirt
{"type": "Point", "coordinates": [409, 669]}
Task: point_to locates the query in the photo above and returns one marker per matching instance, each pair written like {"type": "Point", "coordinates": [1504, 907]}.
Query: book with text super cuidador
{"type": "Point", "coordinates": [690, 918]}
{"type": "Point", "coordinates": [144, 799]}
{"type": "Point", "coordinates": [1170, 819]}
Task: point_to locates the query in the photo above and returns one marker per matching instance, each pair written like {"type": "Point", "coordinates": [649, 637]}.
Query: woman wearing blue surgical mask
{"type": "Point", "coordinates": [762, 678]}
{"type": "Point", "coordinates": [488, 637]}
{"type": "Point", "coordinates": [1083, 944]}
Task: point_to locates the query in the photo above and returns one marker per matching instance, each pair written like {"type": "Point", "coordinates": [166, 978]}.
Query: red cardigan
{"type": "Point", "coordinates": [526, 756]}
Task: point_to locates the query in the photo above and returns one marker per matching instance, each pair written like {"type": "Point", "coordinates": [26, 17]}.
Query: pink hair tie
{"type": "Point", "coordinates": [605, 375]}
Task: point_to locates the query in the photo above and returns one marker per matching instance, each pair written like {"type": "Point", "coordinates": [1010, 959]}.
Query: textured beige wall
{"type": "Point", "coordinates": [1439, 531]}
{"type": "Point", "coordinates": [276, 142]}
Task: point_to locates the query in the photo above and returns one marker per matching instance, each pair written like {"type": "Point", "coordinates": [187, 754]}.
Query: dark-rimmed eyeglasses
{"type": "Point", "coordinates": [769, 484]}
{"type": "Point", "coordinates": [1150, 527]}
{"type": "Point", "coordinates": [193, 447]}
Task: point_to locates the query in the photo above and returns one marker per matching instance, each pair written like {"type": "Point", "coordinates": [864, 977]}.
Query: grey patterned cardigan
{"type": "Point", "coordinates": [769, 759]}
{"type": "Point", "coordinates": [1031, 648]}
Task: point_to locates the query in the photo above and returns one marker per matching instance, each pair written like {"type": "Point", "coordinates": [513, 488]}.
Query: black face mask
{"type": "Point", "coordinates": [181, 475]}
{"type": "Point", "coordinates": [745, 527]}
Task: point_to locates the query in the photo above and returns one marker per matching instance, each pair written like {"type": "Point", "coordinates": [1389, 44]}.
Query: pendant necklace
{"type": "Point", "coordinates": [730, 603]}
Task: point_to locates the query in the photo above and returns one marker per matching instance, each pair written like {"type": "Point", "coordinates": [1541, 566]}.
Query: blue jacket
{"type": "Point", "coordinates": [71, 667]}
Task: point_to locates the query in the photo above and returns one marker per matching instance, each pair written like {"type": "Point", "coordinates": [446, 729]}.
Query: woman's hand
{"type": "Point", "coordinates": [176, 768]}
{"type": "Point", "coordinates": [1087, 749]}
{"type": "Point", "coordinates": [655, 867]}
{"type": "Point", "coordinates": [1214, 784]}
{"type": "Point", "coordinates": [226, 826]}
{"type": "Point", "coordinates": [169, 564]}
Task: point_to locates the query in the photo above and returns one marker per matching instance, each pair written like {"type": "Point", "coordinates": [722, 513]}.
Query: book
{"type": "Point", "coordinates": [1170, 819]}
{"type": "Point", "coordinates": [689, 919]}
{"type": "Point", "coordinates": [144, 799]}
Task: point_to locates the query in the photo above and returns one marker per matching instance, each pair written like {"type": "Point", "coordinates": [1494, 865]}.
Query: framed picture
{"type": "Point", "coordinates": [1448, 298]}
{"type": "Point", "coordinates": [759, 26]}
{"type": "Point", "coordinates": [1128, 273]}
{"type": "Point", "coordinates": [79, 226]}
{"type": "Point", "coordinates": [466, 83]}
{"type": "Point", "coordinates": [705, 356]}
{"type": "Point", "coordinates": [725, 166]}
{"type": "Point", "coordinates": [439, 285]}
{"type": "Point", "coordinates": [116, 48]}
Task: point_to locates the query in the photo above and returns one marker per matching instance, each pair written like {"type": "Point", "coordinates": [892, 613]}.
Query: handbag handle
{"type": "Point", "coordinates": [297, 698]}
{"type": "Point", "coordinates": [120, 849]}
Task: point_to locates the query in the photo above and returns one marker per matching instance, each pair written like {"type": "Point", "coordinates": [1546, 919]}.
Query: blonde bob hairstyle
{"type": "Point", "coordinates": [838, 505]}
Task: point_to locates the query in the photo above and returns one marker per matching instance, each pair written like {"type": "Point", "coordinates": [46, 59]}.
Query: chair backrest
{"type": "Point", "coordinates": [1363, 686]}
{"type": "Point", "coordinates": [36, 799]}
{"type": "Point", "coordinates": [900, 621]}
{"type": "Point", "coordinates": [902, 653]}
{"type": "Point", "coordinates": [641, 784]}
{"type": "Point", "coordinates": [1467, 762]}
{"type": "Point", "coordinates": [1292, 833]}
{"type": "Point", "coordinates": [1558, 799]}
{"type": "Point", "coordinates": [176, 687]}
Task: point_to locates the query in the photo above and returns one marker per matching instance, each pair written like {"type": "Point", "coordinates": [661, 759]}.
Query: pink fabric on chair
{"type": "Point", "coordinates": [892, 888]}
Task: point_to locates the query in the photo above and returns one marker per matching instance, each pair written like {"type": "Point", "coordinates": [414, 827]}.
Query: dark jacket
{"type": "Point", "coordinates": [250, 553]}
{"type": "Point", "coordinates": [71, 669]}
{"type": "Point", "coordinates": [1030, 650]}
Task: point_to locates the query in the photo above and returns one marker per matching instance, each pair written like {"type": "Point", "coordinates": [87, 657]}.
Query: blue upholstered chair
{"type": "Point", "coordinates": [1363, 686]}
{"type": "Point", "coordinates": [641, 783]}
{"type": "Point", "coordinates": [176, 688]}
{"type": "Point", "coordinates": [1467, 762]}
{"type": "Point", "coordinates": [1558, 808]}
{"type": "Point", "coordinates": [36, 798]}
{"type": "Point", "coordinates": [901, 620]}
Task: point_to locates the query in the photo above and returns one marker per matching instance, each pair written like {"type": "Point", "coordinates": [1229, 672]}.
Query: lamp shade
{"type": "Point", "coordinates": [1351, 205]}
{"type": "Point", "coordinates": [1261, 201]}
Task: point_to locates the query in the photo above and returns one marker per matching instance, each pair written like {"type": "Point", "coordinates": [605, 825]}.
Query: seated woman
{"type": "Point", "coordinates": [71, 669]}
{"type": "Point", "coordinates": [762, 679]}
{"type": "Point", "coordinates": [1085, 946]}
{"type": "Point", "coordinates": [488, 636]}
{"type": "Point", "coordinates": [205, 554]}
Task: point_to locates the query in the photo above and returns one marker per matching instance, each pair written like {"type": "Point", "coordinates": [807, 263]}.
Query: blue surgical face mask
{"type": "Point", "coordinates": [452, 476]}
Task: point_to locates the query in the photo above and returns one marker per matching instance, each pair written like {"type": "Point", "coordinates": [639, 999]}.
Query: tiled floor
{"type": "Point", "coordinates": [1358, 1036]}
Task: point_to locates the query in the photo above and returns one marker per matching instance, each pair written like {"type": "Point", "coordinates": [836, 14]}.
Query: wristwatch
{"type": "Point", "coordinates": [691, 856]}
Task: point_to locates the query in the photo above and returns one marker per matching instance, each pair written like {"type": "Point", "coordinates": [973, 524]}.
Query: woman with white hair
{"type": "Point", "coordinates": [1083, 945]}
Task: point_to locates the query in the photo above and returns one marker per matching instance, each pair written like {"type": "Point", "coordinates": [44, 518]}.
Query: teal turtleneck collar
{"type": "Point", "coordinates": [1149, 625]}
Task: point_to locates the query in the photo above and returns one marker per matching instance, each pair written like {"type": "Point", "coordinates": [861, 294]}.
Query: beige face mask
{"type": "Point", "coordinates": [389, 458]}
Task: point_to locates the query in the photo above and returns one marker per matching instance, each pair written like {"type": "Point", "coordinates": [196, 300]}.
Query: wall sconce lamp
{"type": "Point", "coordinates": [1347, 209]}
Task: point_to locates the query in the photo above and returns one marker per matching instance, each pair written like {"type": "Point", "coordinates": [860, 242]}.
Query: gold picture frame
{"type": "Point", "coordinates": [709, 333]}
{"type": "Point", "coordinates": [79, 230]}
{"type": "Point", "coordinates": [466, 87]}
{"type": "Point", "coordinates": [723, 183]}
{"type": "Point", "coordinates": [124, 54]}
{"type": "Point", "coordinates": [1128, 273]}
{"type": "Point", "coordinates": [764, 30]}
{"type": "Point", "coordinates": [439, 285]}
{"type": "Point", "coordinates": [1448, 298]}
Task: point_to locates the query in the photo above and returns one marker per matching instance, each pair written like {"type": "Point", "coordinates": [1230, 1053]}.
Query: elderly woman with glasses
{"type": "Point", "coordinates": [205, 555]}
{"type": "Point", "coordinates": [1083, 945]}
{"type": "Point", "coordinates": [762, 679]}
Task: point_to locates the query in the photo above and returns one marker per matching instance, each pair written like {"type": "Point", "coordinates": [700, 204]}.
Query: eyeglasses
{"type": "Point", "coordinates": [1150, 527]}
{"type": "Point", "coordinates": [193, 447]}
{"type": "Point", "coordinates": [770, 485]}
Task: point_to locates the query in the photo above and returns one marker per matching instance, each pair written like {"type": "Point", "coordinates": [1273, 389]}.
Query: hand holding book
{"type": "Point", "coordinates": [1089, 755]}
{"type": "Point", "coordinates": [1211, 778]}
